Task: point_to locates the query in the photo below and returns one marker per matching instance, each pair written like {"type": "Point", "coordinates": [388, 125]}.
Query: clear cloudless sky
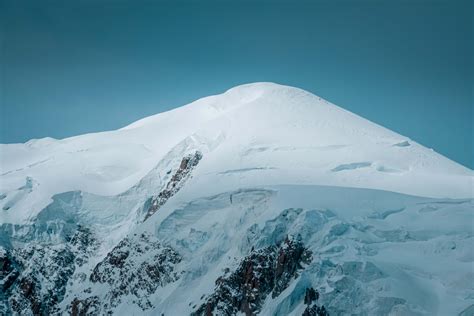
{"type": "Point", "coordinates": [73, 67]}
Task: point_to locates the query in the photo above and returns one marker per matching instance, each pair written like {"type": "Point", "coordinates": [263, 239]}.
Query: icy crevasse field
{"type": "Point", "coordinates": [389, 223]}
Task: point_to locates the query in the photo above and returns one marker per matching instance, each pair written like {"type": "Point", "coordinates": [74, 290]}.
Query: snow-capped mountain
{"type": "Point", "coordinates": [265, 199]}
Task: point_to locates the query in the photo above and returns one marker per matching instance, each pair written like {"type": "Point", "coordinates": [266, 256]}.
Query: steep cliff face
{"type": "Point", "coordinates": [35, 276]}
{"type": "Point", "coordinates": [8, 275]}
{"type": "Point", "coordinates": [188, 163]}
{"type": "Point", "coordinates": [135, 268]}
{"type": "Point", "coordinates": [310, 300]}
{"type": "Point", "coordinates": [263, 272]}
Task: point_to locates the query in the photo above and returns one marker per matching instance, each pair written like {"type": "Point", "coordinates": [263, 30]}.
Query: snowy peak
{"type": "Point", "coordinates": [254, 134]}
{"type": "Point", "coordinates": [264, 200]}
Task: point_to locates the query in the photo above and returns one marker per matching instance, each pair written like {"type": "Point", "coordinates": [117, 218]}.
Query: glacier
{"type": "Point", "coordinates": [209, 208]}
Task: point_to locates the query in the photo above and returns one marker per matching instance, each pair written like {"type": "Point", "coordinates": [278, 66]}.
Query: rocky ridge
{"type": "Point", "coordinates": [263, 272]}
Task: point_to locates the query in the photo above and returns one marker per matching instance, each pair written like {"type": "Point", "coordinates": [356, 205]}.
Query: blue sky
{"type": "Point", "coordinates": [69, 68]}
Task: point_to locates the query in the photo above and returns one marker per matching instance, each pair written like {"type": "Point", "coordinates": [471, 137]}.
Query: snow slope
{"type": "Point", "coordinates": [389, 222]}
{"type": "Point", "coordinates": [256, 134]}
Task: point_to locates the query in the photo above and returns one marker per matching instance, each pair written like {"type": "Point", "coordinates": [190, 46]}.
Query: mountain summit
{"type": "Point", "coordinates": [265, 199]}
{"type": "Point", "coordinates": [254, 134]}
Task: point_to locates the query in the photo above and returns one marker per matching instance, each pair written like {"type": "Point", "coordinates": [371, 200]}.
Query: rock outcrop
{"type": "Point", "coordinates": [263, 272]}
{"type": "Point", "coordinates": [34, 278]}
{"type": "Point", "coordinates": [188, 163]}
{"type": "Point", "coordinates": [137, 266]}
{"type": "Point", "coordinates": [312, 309]}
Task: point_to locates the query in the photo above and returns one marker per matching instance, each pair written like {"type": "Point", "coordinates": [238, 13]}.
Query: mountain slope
{"type": "Point", "coordinates": [259, 133]}
{"type": "Point", "coordinates": [182, 208]}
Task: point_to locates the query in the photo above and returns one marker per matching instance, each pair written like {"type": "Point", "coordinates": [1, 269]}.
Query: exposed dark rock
{"type": "Point", "coordinates": [310, 296]}
{"type": "Point", "coordinates": [8, 275]}
{"type": "Point", "coordinates": [315, 311]}
{"type": "Point", "coordinates": [263, 271]}
{"type": "Point", "coordinates": [8, 270]}
{"type": "Point", "coordinates": [291, 255]}
{"type": "Point", "coordinates": [175, 183]}
{"type": "Point", "coordinates": [88, 306]}
{"type": "Point", "coordinates": [136, 266]}
{"type": "Point", "coordinates": [35, 277]}
{"type": "Point", "coordinates": [84, 240]}
{"type": "Point", "coordinates": [42, 281]}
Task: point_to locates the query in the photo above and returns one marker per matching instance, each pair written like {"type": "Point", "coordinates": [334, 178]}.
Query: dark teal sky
{"type": "Point", "coordinates": [72, 67]}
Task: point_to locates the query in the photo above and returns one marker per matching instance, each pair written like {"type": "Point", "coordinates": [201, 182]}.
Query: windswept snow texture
{"type": "Point", "coordinates": [222, 181]}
